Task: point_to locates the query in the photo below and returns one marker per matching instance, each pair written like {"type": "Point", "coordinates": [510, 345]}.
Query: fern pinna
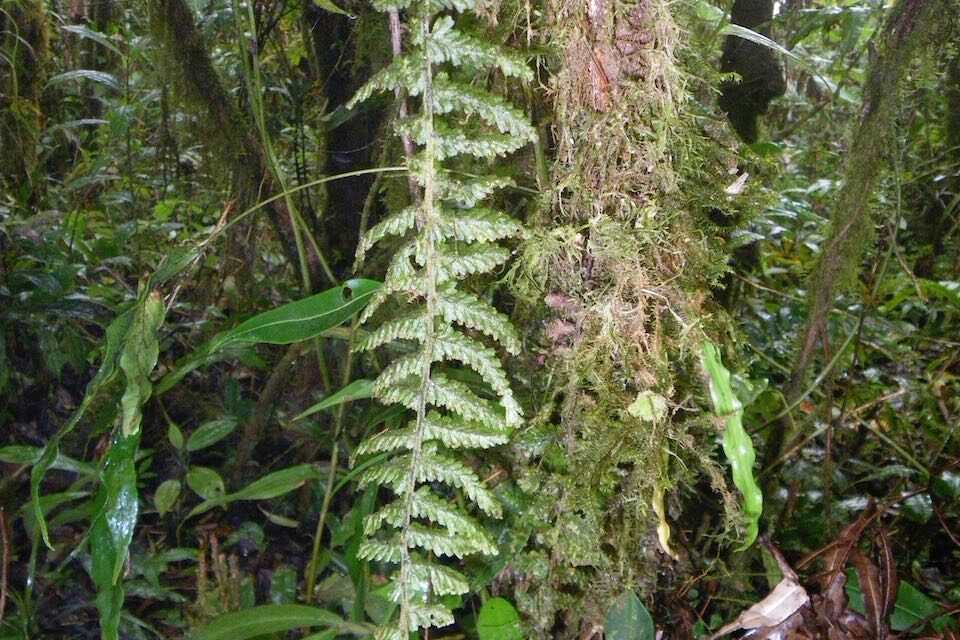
{"type": "Point", "coordinates": [446, 237]}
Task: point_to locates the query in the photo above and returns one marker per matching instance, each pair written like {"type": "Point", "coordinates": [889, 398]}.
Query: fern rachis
{"type": "Point", "coordinates": [447, 237]}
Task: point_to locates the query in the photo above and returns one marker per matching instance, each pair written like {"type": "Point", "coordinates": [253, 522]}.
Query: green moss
{"type": "Point", "coordinates": [613, 277]}
{"type": "Point", "coordinates": [25, 49]}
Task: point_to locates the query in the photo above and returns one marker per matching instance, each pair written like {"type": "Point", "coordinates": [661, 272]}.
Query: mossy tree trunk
{"type": "Point", "coordinates": [24, 43]}
{"type": "Point", "coordinates": [913, 30]}
{"type": "Point", "coordinates": [226, 129]}
{"type": "Point", "coordinates": [936, 223]}
{"type": "Point", "coordinates": [616, 276]}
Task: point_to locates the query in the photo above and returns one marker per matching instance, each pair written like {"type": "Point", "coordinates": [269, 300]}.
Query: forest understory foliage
{"type": "Point", "coordinates": [479, 319]}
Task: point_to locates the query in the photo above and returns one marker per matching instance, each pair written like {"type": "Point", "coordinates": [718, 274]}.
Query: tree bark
{"type": "Point", "coordinates": [760, 71]}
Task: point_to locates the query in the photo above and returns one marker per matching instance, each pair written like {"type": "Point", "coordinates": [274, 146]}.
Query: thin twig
{"type": "Point", "coordinates": [4, 561]}
{"type": "Point", "coordinates": [409, 149]}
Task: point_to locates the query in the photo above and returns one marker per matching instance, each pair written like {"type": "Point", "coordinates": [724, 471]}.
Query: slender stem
{"type": "Point", "coordinates": [4, 560]}
{"type": "Point", "coordinates": [338, 419]}
{"type": "Point", "coordinates": [409, 149]}
{"type": "Point", "coordinates": [427, 219]}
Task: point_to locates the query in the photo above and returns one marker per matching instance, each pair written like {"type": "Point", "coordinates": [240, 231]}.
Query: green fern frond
{"type": "Point", "coordinates": [452, 434]}
{"type": "Point", "coordinates": [436, 5]}
{"type": "Point", "coordinates": [447, 44]}
{"type": "Point", "coordinates": [446, 237]}
{"type": "Point", "coordinates": [477, 225]}
{"type": "Point", "coordinates": [461, 139]}
{"type": "Point", "coordinates": [397, 224]}
{"type": "Point", "coordinates": [456, 263]}
{"type": "Point", "coordinates": [471, 312]}
{"type": "Point", "coordinates": [468, 193]}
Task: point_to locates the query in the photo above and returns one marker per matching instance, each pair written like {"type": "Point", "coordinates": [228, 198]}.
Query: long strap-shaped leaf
{"type": "Point", "coordinates": [737, 444]}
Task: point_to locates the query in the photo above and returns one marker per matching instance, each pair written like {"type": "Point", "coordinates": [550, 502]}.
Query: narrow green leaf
{"type": "Point", "coordinates": [175, 436]}
{"type": "Point", "coordinates": [303, 319]}
{"type": "Point", "coordinates": [211, 433]}
{"type": "Point", "coordinates": [356, 390]}
{"type": "Point", "coordinates": [760, 39]}
{"type": "Point", "coordinates": [278, 483]}
{"type": "Point", "coordinates": [269, 486]}
{"type": "Point", "coordinates": [498, 620]}
{"type": "Point", "coordinates": [139, 356]}
{"type": "Point", "coordinates": [628, 619]}
{"type": "Point", "coordinates": [112, 344]}
{"type": "Point", "coordinates": [111, 529]}
{"type": "Point", "coordinates": [174, 262]}
{"type": "Point", "coordinates": [326, 5]}
{"type": "Point", "coordinates": [90, 34]}
{"type": "Point", "coordinates": [271, 618]}
{"type": "Point", "coordinates": [25, 454]}
{"type": "Point", "coordinates": [100, 77]}
{"type": "Point", "coordinates": [293, 322]}
{"type": "Point", "coordinates": [737, 445]}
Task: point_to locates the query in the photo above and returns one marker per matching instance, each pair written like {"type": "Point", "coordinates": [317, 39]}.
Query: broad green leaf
{"type": "Point", "coordinates": [303, 319]}
{"type": "Point", "coordinates": [205, 482]}
{"type": "Point", "coordinates": [356, 390]}
{"type": "Point", "coordinates": [139, 356]}
{"type": "Point", "coordinates": [111, 529]}
{"type": "Point", "coordinates": [628, 619]}
{"type": "Point", "coordinates": [100, 77]}
{"type": "Point", "coordinates": [498, 620]}
{"type": "Point", "coordinates": [175, 436]}
{"type": "Point", "coordinates": [112, 344]}
{"type": "Point", "coordinates": [911, 607]}
{"type": "Point", "coordinates": [269, 486]}
{"type": "Point", "coordinates": [166, 496]}
{"type": "Point", "coordinates": [210, 433]}
{"type": "Point", "coordinates": [737, 445]}
{"type": "Point", "coordinates": [271, 618]}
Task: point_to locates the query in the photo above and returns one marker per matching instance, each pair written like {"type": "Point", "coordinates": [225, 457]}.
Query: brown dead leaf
{"type": "Point", "coordinates": [889, 582]}
{"type": "Point", "coordinates": [869, 577]}
{"type": "Point", "coordinates": [781, 603]}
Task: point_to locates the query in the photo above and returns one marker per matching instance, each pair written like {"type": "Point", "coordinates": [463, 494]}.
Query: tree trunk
{"type": "Point", "coordinates": [225, 129]}
{"type": "Point", "coordinates": [912, 28]}
{"type": "Point", "coordinates": [24, 40]}
{"type": "Point", "coordinates": [761, 76]}
{"type": "Point", "coordinates": [610, 271]}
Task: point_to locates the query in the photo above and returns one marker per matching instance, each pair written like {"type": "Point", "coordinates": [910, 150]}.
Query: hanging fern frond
{"type": "Point", "coordinates": [445, 237]}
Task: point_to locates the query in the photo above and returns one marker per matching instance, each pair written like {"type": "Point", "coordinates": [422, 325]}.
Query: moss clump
{"type": "Point", "coordinates": [615, 269]}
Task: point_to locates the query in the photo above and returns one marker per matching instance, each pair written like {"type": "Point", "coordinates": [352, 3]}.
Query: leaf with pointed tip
{"type": "Point", "coordinates": [264, 620]}
{"type": "Point", "coordinates": [628, 619]}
